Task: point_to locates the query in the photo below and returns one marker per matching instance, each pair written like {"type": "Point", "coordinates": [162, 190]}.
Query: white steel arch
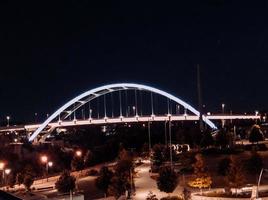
{"type": "Point", "coordinates": [94, 93]}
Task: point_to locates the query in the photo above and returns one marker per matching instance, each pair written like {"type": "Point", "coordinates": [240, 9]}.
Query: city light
{"type": "Point", "coordinates": [2, 165]}
{"type": "Point", "coordinates": [8, 118]}
{"type": "Point", "coordinates": [44, 159]}
{"type": "Point", "coordinates": [50, 164]}
{"type": "Point", "coordinates": [7, 171]}
{"type": "Point", "coordinates": [78, 153]}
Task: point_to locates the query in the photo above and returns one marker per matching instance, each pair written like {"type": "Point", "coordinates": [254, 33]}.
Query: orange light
{"type": "Point", "coordinates": [44, 159]}
{"type": "Point", "coordinates": [2, 165]}
{"type": "Point", "coordinates": [78, 153]}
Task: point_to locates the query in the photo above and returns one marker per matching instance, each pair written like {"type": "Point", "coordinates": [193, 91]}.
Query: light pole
{"type": "Point", "coordinates": [166, 133]}
{"type": "Point", "coordinates": [178, 110]}
{"type": "Point", "coordinates": [8, 118]}
{"type": "Point", "coordinates": [256, 113]}
{"type": "Point", "coordinates": [222, 108]}
{"type": "Point", "coordinates": [90, 114]}
{"type": "Point", "coordinates": [170, 143]}
{"type": "Point", "coordinates": [7, 172]}
{"type": "Point", "coordinates": [78, 153]}
{"type": "Point", "coordinates": [44, 159]}
{"type": "Point", "coordinates": [149, 137]}
{"type": "Point", "coordinates": [259, 181]}
{"type": "Point", "coordinates": [35, 117]}
{"type": "Point", "coordinates": [134, 110]}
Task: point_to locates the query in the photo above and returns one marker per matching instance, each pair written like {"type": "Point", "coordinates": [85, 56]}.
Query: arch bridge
{"type": "Point", "coordinates": [120, 96]}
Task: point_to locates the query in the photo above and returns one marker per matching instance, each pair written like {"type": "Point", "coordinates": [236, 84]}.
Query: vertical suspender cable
{"type": "Point", "coordinates": [126, 103]}
{"type": "Point", "coordinates": [136, 103]}
{"type": "Point", "coordinates": [120, 103]}
{"type": "Point", "coordinates": [112, 100]}
{"type": "Point", "coordinates": [104, 102]}
{"type": "Point", "coordinates": [152, 103]}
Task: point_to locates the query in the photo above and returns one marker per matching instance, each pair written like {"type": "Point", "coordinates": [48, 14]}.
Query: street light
{"type": "Point", "coordinates": [134, 109]}
{"type": "Point", "coordinates": [90, 114]}
{"type": "Point", "coordinates": [35, 117]}
{"type": "Point", "coordinates": [44, 159]}
{"type": "Point", "coordinates": [7, 172]}
{"type": "Point", "coordinates": [78, 153]}
{"type": "Point", "coordinates": [50, 164]}
{"type": "Point", "coordinates": [222, 108]}
{"type": "Point", "coordinates": [8, 118]}
{"type": "Point", "coordinates": [2, 166]}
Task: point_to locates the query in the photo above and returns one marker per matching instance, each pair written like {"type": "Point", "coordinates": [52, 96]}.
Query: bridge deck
{"type": "Point", "coordinates": [117, 120]}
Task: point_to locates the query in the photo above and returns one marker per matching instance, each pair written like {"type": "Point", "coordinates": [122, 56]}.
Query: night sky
{"type": "Point", "coordinates": [51, 51]}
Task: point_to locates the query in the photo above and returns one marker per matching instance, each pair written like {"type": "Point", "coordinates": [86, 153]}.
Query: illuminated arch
{"type": "Point", "coordinates": [99, 91]}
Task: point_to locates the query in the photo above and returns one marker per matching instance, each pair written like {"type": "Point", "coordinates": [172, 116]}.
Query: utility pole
{"type": "Point", "coordinates": [200, 104]}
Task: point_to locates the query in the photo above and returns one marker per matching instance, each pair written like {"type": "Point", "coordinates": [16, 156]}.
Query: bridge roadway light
{"type": "Point", "coordinates": [222, 107]}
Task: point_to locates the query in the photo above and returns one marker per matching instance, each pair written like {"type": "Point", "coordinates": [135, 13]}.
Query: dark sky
{"type": "Point", "coordinates": [50, 51]}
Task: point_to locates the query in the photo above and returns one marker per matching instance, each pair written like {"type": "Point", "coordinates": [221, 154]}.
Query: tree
{"type": "Point", "coordinates": [158, 151]}
{"type": "Point", "coordinates": [151, 196]}
{"type": "Point", "coordinates": [202, 179]}
{"type": "Point", "coordinates": [255, 163]}
{"type": "Point", "coordinates": [19, 178]}
{"type": "Point", "coordinates": [256, 134]}
{"type": "Point", "coordinates": [28, 181]}
{"type": "Point", "coordinates": [235, 177]}
{"type": "Point", "coordinates": [104, 180]}
{"type": "Point", "coordinates": [186, 194]}
{"type": "Point", "coordinates": [167, 180]}
{"type": "Point", "coordinates": [199, 166]}
{"type": "Point", "coordinates": [207, 140]}
{"type": "Point", "coordinates": [122, 180]}
{"type": "Point", "coordinates": [77, 163]}
{"type": "Point", "coordinates": [118, 186]}
{"type": "Point", "coordinates": [65, 183]}
{"type": "Point", "coordinates": [88, 158]}
{"type": "Point", "coordinates": [222, 138]}
{"type": "Point", "coordinates": [223, 166]}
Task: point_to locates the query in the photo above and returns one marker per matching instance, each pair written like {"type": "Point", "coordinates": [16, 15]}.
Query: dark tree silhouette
{"type": "Point", "coordinates": [158, 151]}
{"type": "Point", "coordinates": [77, 163]}
{"type": "Point", "coordinates": [223, 166]}
{"type": "Point", "coordinates": [65, 183]}
{"type": "Point", "coordinates": [207, 140]}
{"type": "Point", "coordinates": [255, 163]}
{"type": "Point", "coordinates": [151, 196]}
{"type": "Point", "coordinates": [256, 134]}
{"type": "Point", "coordinates": [19, 178]}
{"type": "Point", "coordinates": [28, 181]}
{"type": "Point", "coordinates": [104, 180]}
{"type": "Point", "coordinates": [118, 186]}
{"type": "Point", "coordinates": [167, 180]}
{"type": "Point", "coordinates": [235, 177]}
